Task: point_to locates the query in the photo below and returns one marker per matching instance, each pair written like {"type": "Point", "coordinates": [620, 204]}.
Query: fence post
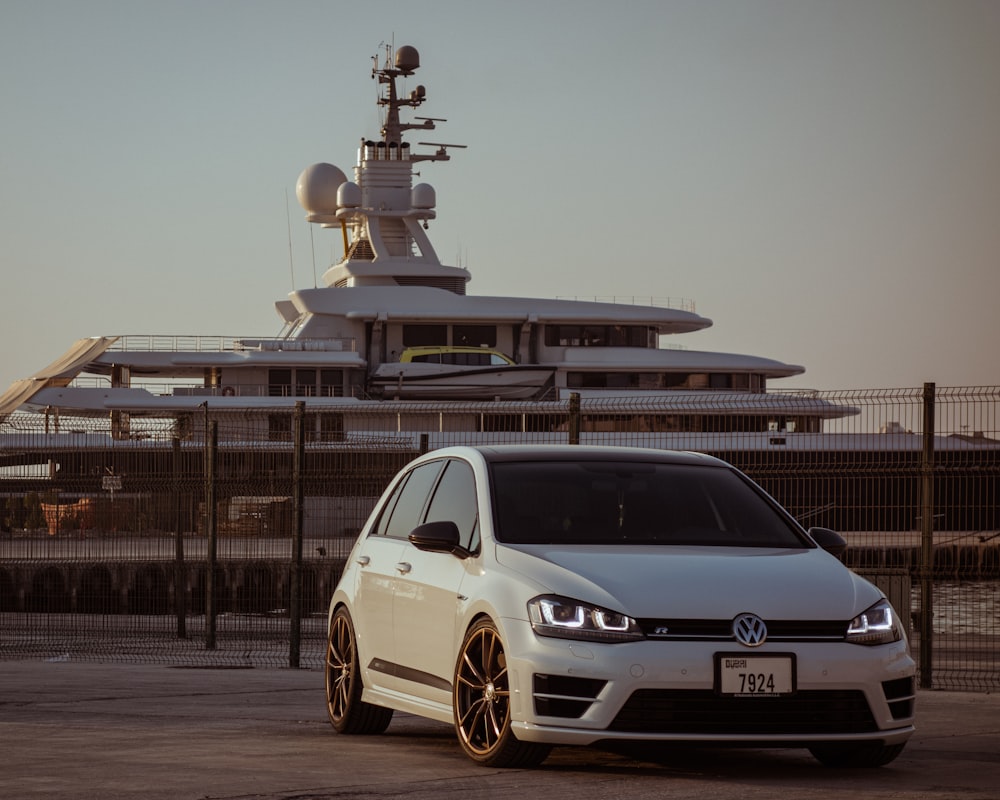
{"type": "Point", "coordinates": [927, 542]}
{"type": "Point", "coordinates": [211, 522]}
{"type": "Point", "coordinates": [574, 418]}
{"type": "Point", "coordinates": [180, 577]}
{"type": "Point", "coordinates": [295, 587]}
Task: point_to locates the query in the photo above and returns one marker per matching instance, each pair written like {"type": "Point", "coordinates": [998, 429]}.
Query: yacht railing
{"type": "Point", "coordinates": [187, 388]}
{"type": "Point", "coordinates": [676, 303]}
{"type": "Point", "coordinates": [217, 344]}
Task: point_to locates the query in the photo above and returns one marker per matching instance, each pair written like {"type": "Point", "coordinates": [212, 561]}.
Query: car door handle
{"type": "Point", "coordinates": [364, 561]}
{"type": "Point", "coordinates": [403, 567]}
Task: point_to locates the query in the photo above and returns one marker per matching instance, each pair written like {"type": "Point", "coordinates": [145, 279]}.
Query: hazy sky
{"type": "Point", "coordinates": [821, 178]}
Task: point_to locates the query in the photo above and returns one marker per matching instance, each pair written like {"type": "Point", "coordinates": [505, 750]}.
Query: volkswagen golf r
{"type": "Point", "coordinates": [535, 596]}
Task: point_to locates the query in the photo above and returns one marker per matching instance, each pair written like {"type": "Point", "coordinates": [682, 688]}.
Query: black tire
{"type": "Point", "coordinates": [856, 754]}
{"type": "Point", "coordinates": [348, 714]}
{"type": "Point", "coordinates": [481, 703]}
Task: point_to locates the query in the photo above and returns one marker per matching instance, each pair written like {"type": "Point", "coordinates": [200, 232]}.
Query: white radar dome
{"type": "Point", "coordinates": [317, 187]}
{"type": "Point", "coordinates": [349, 195]}
{"type": "Point", "coordinates": [423, 196]}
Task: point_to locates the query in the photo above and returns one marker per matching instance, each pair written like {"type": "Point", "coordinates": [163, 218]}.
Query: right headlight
{"type": "Point", "coordinates": [570, 619]}
{"type": "Point", "coordinates": [877, 625]}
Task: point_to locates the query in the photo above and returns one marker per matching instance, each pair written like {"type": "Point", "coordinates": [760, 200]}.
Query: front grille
{"type": "Point", "coordinates": [565, 696]}
{"type": "Point", "coordinates": [703, 711]}
{"type": "Point", "coordinates": [722, 630]}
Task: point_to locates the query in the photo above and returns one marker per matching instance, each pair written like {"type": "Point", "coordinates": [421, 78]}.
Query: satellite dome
{"type": "Point", "coordinates": [317, 187]}
{"type": "Point", "coordinates": [407, 58]}
{"type": "Point", "coordinates": [349, 195]}
{"type": "Point", "coordinates": [423, 196]}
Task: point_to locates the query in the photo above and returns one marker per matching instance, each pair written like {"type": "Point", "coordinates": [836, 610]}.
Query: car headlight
{"type": "Point", "coordinates": [571, 619]}
{"type": "Point", "coordinates": [877, 625]}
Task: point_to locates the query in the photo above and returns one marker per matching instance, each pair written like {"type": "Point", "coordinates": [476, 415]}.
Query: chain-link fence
{"type": "Point", "coordinates": [219, 539]}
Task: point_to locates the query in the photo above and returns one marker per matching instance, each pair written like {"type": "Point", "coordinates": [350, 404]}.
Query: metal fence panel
{"type": "Point", "coordinates": [106, 549]}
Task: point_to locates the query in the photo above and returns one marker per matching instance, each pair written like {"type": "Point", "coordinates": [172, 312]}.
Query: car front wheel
{"type": "Point", "coordinates": [482, 703]}
{"type": "Point", "coordinates": [347, 712]}
{"type": "Point", "coordinates": [861, 754]}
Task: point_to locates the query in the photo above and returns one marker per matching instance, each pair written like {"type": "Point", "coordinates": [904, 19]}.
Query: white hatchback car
{"type": "Point", "coordinates": [536, 596]}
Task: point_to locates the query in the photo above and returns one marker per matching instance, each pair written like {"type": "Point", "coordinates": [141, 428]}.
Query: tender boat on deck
{"type": "Point", "coordinates": [459, 373]}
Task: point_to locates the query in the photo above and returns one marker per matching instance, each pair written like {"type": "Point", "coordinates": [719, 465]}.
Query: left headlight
{"type": "Point", "coordinates": [877, 625]}
{"type": "Point", "coordinates": [570, 619]}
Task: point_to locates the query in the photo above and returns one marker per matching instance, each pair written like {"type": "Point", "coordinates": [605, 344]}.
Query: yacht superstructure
{"type": "Point", "coordinates": [388, 293]}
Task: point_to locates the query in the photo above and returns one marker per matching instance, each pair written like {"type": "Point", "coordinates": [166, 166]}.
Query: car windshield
{"type": "Point", "coordinates": [589, 502]}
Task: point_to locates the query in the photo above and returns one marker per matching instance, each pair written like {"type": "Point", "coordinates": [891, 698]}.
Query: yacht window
{"type": "Point", "coordinates": [305, 383]}
{"type": "Point", "coordinates": [563, 335]}
{"type": "Point", "coordinates": [598, 336]}
{"type": "Point", "coordinates": [628, 336]}
{"type": "Point", "coordinates": [660, 380]}
{"type": "Point", "coordinates": [331, 383]}
{"type": "Point", "coordinates": [585, 380]}
{"type": "Point", "coordinates": [474, 335]}
{"type": "Point", "coordinates": [279, 382]}
{"type": "Point", "coordinates": [595, 336]}
{"type": "Point", "coordinates": [425, 335]}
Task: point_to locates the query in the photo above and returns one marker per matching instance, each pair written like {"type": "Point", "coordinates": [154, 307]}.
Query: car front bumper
{"type": "Point", "coordinates": [571, 692]}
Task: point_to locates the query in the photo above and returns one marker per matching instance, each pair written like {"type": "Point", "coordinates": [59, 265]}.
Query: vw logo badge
{"type": "Point", "coordinates": [749, 630]}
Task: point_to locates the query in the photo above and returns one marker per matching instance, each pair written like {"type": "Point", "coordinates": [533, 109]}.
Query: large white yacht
{"type": "Point", "coordinates": [351, 343]}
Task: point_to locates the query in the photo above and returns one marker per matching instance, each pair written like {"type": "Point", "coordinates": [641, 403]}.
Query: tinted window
{"type": "Point", "coordinates": [403, 511]}
{"type": "Point", "coordinates": [633, 503]}
{"type": "Point", "coordinates": [279, 382]}
{"type": "Point", "coordinates": [475, 335]}
{"type": "Point", "coordinates": [425, 335]}
{"type": "Point", "coordinates": [455, 501]}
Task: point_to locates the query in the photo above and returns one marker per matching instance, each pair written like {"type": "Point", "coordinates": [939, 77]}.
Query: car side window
{"type": "Point", "coordinates": [455, 501]}
{"type": "Point", "coordinates": [403, 511]}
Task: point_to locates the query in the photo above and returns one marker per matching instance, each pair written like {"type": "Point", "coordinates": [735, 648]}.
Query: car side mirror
{"type": "Point", "coordinates": [829, 540]}
{"type": "Point", "coordinates": [438, 537]}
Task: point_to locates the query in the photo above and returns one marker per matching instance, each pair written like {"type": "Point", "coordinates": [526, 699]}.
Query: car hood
{"type": "Point", "coordinates": [697, 582]}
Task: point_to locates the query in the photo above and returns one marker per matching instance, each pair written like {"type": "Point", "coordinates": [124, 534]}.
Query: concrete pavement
{"type": "Point", "coordinates": [110, 731]}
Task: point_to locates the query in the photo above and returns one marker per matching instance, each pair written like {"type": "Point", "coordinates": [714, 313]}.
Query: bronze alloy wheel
{"type": "Point", "coordinates": [347, 712]}
{"type": "Point", "coordinates": [482, 703]}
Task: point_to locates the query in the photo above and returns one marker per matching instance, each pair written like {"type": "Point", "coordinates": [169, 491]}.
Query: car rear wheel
{"type": "Point", "coordinates": [347, 712]}
{"type": "Point", "coordinates": [859, 754]}
{"type": "Point", "coordinates": [482, 703]}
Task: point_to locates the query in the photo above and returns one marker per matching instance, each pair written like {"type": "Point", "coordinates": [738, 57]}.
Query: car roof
{"type": "Point", "coordinates": [569, 452]}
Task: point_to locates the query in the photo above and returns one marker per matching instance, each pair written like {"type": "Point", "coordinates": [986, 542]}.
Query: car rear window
{"type": "Point", "coordinates": [567, 502]}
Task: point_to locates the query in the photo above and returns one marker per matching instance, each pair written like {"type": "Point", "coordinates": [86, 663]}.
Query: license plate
{"type": "Point", "coordinates": [754, 676]}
